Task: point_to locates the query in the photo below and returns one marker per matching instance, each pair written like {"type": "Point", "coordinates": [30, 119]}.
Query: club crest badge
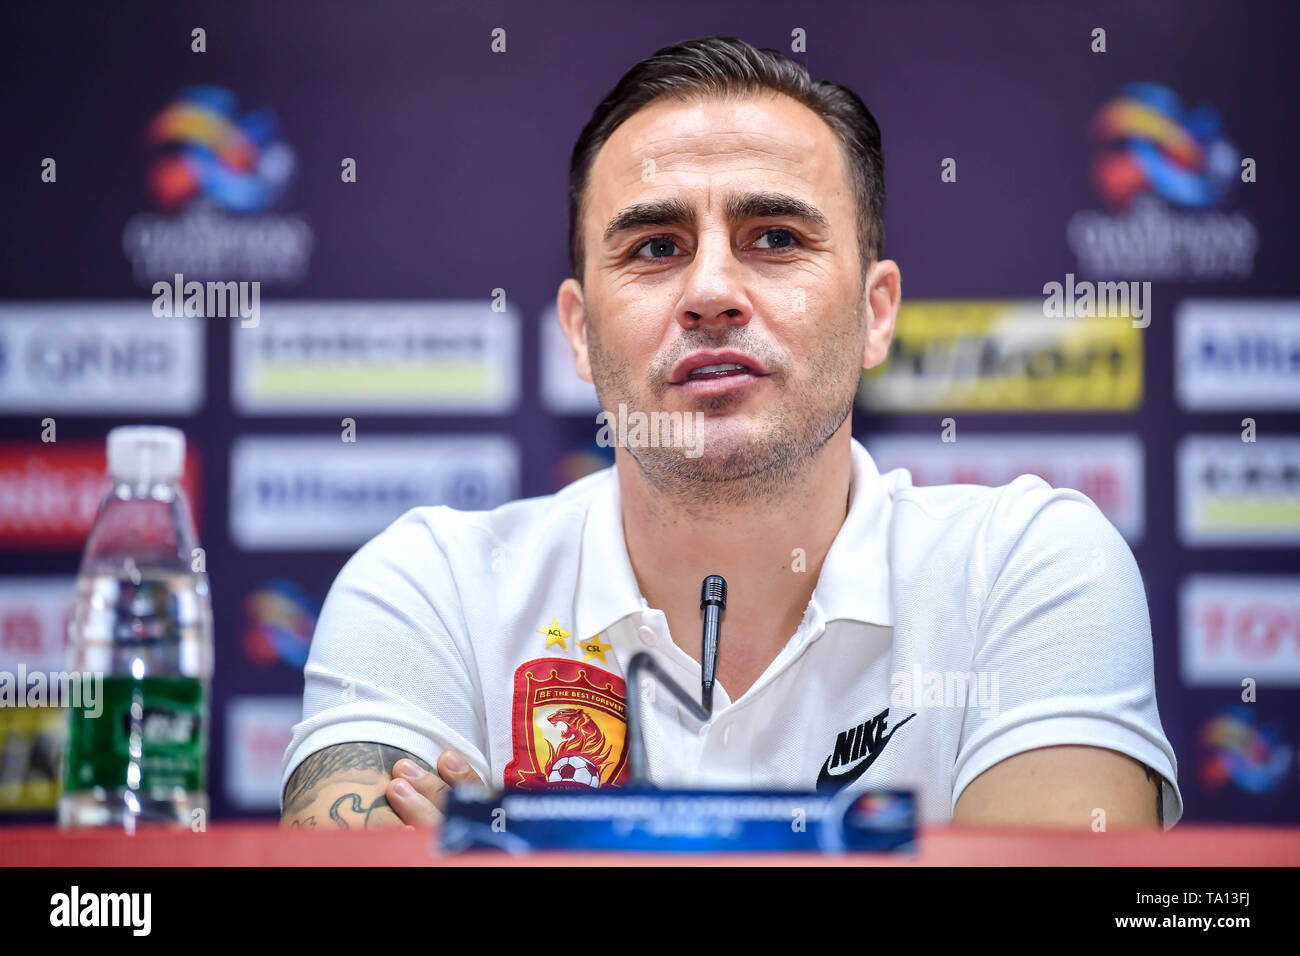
{"type": "Point", "coordinates": [569, 727]}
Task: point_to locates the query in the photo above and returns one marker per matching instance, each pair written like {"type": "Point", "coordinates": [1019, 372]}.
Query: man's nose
{"type": "Point", "coordinates": [714, 295]}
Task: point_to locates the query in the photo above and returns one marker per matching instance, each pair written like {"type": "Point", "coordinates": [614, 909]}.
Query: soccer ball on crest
{"type": "Point", "coordinates": [575, 769]}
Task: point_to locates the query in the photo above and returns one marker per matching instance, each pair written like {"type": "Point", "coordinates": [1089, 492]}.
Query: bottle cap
{"type": "Point", "coordinates": [146, 453]}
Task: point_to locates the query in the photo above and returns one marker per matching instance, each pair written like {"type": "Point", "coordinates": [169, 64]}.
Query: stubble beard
{"type": "Point", "coordinates": [763, 461]}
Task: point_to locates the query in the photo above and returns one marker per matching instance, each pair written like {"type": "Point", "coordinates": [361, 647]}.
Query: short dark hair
{"type": "Point", "coordinates": [726, 66]}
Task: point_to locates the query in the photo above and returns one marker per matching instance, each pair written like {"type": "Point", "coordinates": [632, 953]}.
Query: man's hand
{"type": "Point", "coordinates": [417, 796]}
{"type": "Point", "coordinates": [368, 785]}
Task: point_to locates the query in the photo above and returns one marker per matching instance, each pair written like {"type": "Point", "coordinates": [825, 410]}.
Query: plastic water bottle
{"type": "Point", "coordinates": [143, 620]}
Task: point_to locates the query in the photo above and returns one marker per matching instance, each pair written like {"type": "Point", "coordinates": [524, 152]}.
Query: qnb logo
{"type": "Point", "coordinates": [206, 149]}
{"type": "Point", "coordinates": [133, 910]}
{"type": "Point", "coordinates": [64, 359]}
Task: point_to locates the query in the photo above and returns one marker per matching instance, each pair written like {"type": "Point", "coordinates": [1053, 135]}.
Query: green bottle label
{"type": "Point", "coordinates": [159, 724]}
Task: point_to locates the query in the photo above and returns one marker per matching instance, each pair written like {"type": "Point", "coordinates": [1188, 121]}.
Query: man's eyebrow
{"type": "Point", "coordinates": [771, 205]}
{"type": "Point", "coordinates": [675, 212]}
{"type": "Point", "coordinates": [656, 212]}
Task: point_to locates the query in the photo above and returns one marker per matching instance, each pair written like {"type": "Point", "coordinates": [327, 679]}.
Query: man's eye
{"type": "Point", "coordinates": [786, 240]}
{"type": "Point", "coordinates": [658, 244]}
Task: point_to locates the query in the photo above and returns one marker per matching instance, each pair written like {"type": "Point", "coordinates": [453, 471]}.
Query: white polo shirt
{"type": "Point", "coordinates": [951, 627]}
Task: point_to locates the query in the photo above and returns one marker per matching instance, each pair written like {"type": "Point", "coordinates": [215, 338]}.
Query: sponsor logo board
{"type": "Point", "coordinates": [393, 357]}
{"type": "Point", "coordinates": [306, 491]}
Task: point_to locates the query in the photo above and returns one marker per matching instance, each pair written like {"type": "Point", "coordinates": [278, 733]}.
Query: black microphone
{"type": "Point", "coordinates": [713, 601]}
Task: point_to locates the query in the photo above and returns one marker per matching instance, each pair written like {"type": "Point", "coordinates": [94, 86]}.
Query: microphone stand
{"type": "Point", "coordinates": [713, 601]}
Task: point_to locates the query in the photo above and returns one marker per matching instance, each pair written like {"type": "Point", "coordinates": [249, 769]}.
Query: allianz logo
{"type": "Point", "coordinates": [1246, 352]}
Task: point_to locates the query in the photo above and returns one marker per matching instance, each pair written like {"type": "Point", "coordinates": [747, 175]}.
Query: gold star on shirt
{"type": "Point", "coordinates": [593, 648]}
{"type": "Point", "coordinates": [554, 634]}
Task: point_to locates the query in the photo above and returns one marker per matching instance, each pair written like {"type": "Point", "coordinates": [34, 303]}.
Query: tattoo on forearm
{"type": "Point", "coordinates": [1160, 795]}
{"type": "Point", "coordinates": [354, 763]}
{"type": "Point", "coordinates": [357, 806]}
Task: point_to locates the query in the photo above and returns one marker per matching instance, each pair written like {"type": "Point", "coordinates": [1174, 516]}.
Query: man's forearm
{"type": "Point", "coordinates": [343, 786]}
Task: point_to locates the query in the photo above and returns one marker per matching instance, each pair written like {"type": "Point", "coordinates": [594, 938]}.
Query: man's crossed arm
{"type": "Point", "coordinates": [360, 785]}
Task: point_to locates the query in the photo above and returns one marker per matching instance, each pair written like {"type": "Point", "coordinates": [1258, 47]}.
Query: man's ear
{"type": "Point", "coordinates": [573, 322]}
{"type": "Point", "coordinates": [884, 290]}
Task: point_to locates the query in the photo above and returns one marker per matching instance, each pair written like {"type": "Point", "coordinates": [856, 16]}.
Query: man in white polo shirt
{"type": "Point", "coordinates": [988, 648]}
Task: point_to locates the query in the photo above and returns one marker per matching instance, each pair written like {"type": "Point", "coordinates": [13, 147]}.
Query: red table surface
{"type": "Point", "coordinates": [267, 844]}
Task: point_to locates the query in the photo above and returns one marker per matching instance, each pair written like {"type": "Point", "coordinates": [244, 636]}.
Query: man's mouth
{"type": "Point", "coordinates": [718, 371]}
{"type": "Point", "coordinates": [704, 366]}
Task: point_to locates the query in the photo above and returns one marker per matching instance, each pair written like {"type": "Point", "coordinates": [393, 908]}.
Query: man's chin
{"type": "Point", "coordinates": [717, 451]}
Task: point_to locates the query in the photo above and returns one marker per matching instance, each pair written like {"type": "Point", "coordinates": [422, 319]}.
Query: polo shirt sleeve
{"type": "Point", "coordinates": [390, 661]}
{"type": "Point", "coordinates": [1065, 632]}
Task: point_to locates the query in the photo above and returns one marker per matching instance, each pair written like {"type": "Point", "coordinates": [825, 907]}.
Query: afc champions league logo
{"type": "Point", "coordinates": [215, 176]}
{"type": "Point", "coordinates": [1151, 144]}
{"type": "Point", "coordinates": [1166, 172]}
{"type": "Point", "coordinates": [569, 727]}
{"type": "Point", "coordinates": [202, 147]}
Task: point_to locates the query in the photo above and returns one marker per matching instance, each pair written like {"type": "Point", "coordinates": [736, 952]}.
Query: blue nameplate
{"type": "Point", "coordinates": [676, 821]}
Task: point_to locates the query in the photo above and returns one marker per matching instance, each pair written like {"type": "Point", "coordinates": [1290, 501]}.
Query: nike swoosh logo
{"type": "Point", "coordinates": [830, 782]}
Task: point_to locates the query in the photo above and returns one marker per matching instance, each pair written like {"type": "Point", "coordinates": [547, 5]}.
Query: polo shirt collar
{"type": "Point", "coordinates": [854, 581]}
{"type": "Point", "coordinates": [607, 588]}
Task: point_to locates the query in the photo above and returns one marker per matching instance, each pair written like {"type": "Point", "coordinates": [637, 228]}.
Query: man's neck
{"type": "Point", "coordinates": [769, 549]}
